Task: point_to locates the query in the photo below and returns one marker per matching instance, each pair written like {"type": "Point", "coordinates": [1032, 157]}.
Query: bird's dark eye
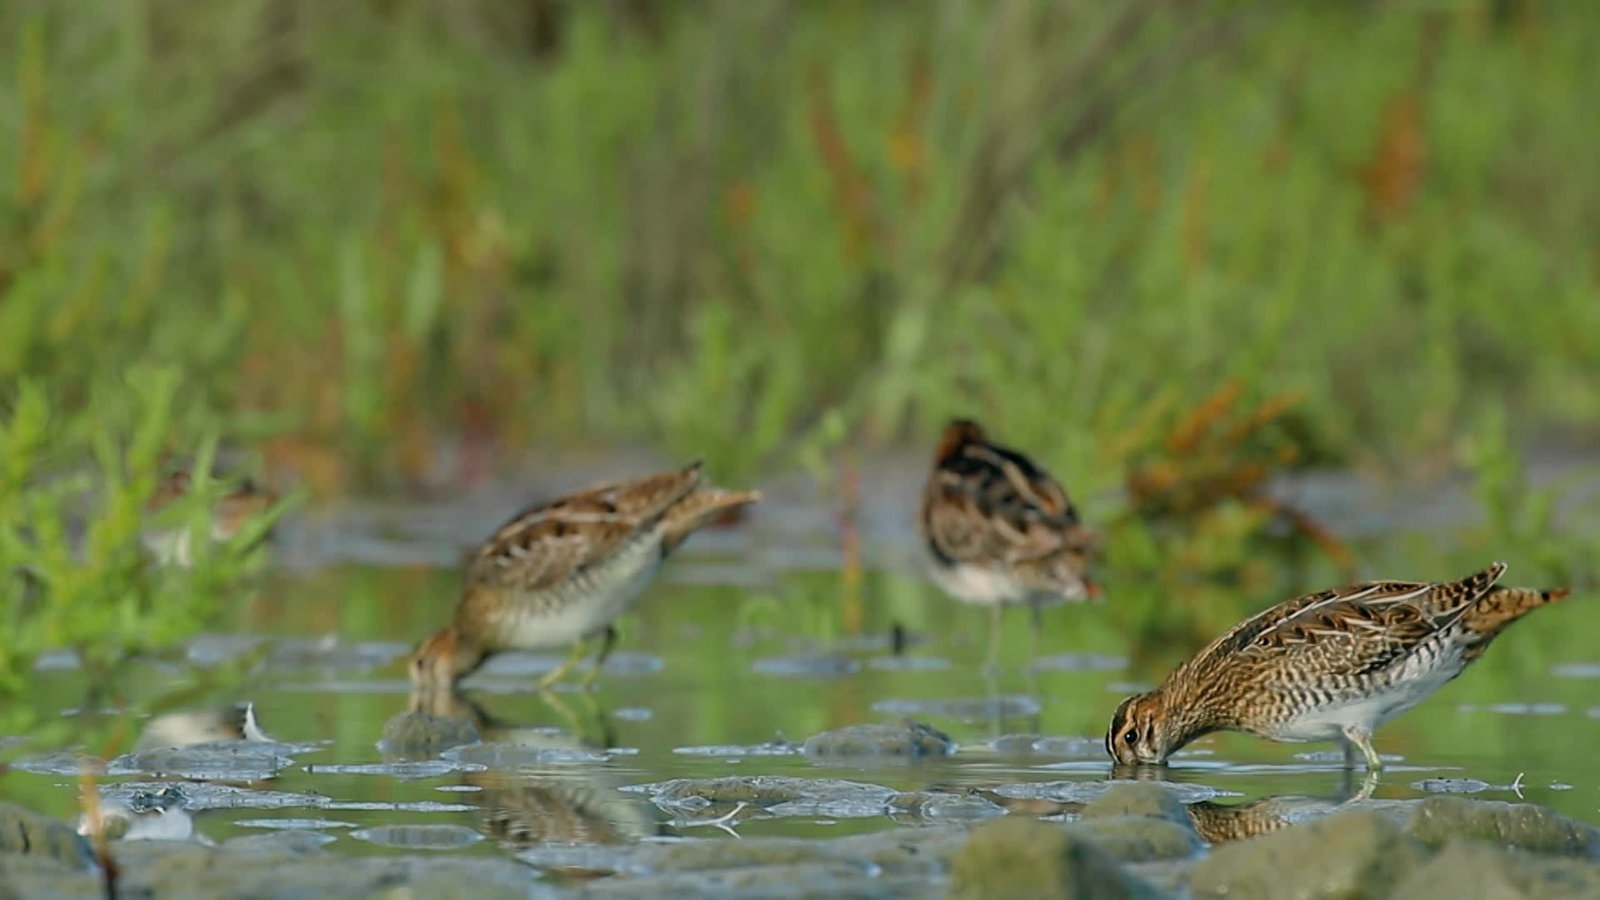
{"type": "Point", "coordinates": [1130, 737]}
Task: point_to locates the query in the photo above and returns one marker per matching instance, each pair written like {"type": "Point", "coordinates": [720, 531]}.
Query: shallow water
{"type": "Point", "coordinates": [735, 656]}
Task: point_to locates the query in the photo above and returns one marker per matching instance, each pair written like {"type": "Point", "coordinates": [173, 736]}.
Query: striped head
{"type": "Point", "coordinates": [443, 658]}
{"type": "Point", "coordinates": [1138, 734]}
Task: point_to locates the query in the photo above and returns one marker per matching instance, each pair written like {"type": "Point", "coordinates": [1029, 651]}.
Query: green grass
{"type": "Point", "coordinates": [714, 226]}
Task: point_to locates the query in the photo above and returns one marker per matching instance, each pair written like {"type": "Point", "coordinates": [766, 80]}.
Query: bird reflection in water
{"type": "Point", "coordinates": [552, 802]}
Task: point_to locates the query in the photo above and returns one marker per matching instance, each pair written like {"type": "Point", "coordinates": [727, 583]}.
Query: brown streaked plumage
{"type": "Point", "coordinates": [171, 545]}
{"type": "Point", "coordinates": [561, 572]}
{"type": "Point", "coordinates": [1333, 665]}
{"type": "Point", "coordinates": [999, 530]}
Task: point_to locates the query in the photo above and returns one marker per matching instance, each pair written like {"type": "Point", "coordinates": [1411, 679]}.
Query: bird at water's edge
{"type": "Point", "coordinates": [998, 530]}
{"type": "Point", "coordinates": [1333, 665]}
{"type": "Point", "coordinates": [563, 571]}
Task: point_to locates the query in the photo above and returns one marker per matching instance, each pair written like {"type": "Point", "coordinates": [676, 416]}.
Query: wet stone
{"type": "Point", "coordinates": [202, 795]}
{"type": "Point", "coordinates": [256, 868]}
{"type": "Point", "coordinates": [418, 735]}
{"type": "Point", "coordinates": [426, 768]}
{"type": "Point", "coordinates": [762, 791]}
{"type": "Point", "coordinates": [1139, 838]}
{"type": "Point", "coordinates": [917, 807]}
{"type": "Point", "coordinates": [1137, 799]}
{"type": "Point", "coordinates": [61, 764]}
{"type": "Point", "coordinates": [808, 666]}
{"type": "Point", "coordinates": [814, 879]}
{"type": "Point", "coordinates": [216, 761]}
{"type": "Point", "coordinates": [1451, 785]}
{"type": "Point", "coordinates": [562, 856]}
{"type": "Point", "coordinates": [419, 836]}
{"type": "Point", "coordinates": [24, 832]}
{"type": "Point", "coordinates": [468, 879]}
{"type": "Point", "coordinates": [1468, 868]}
{"type": "Point", "coordinates": [925, 851]}
{"type": "Point", "coordinates": [702, 854]}
{"type": "Point", "coordinates": [1170, 875]}
{"type": "Point", "coordinates": [1360, 853]}
{"type": "Point", "coordinates": [1524, 825]}
{"type": "Point", "coordinates": [29, 877]}
{"type": "Point", "coordinates": [1016, 857]}
{"type": "Point", "coordinates": [293, 824]}
{"type": "Point", "coordinates": [422, 806]}
{"type": "Point", "coordinates": [906, 739]}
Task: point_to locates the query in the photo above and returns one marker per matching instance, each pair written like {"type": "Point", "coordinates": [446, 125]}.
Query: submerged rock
{"type": "Point", "coordinates": [1137, 799]}
{"type": "Point", "coordinates": [24, 832]}
{"type": "Point", "coordinates": [230, 760]}
{"type": "Point", "coordinates": [943, 806]}
{"type": "Point", "coordinates": [926, 851]}
{"type": "Point", "coordinates": [704, 854]}
{"type": "Point", "coordinates": [906, 738]}
{"type": "Point", "coordinates": [777, 793]}
{"type": "Point", "coordinates": [419, 836]}
{"type": "Point", "coordinates": [1360, 853]}
{"type": "Point", "coordinates": [1524, 825]}
{"type": "Point", "coordinates": [419, 735]}
{"type": "Point", "coordinates": [1015, 857]}
{"type": "Point", "coordinates": [805, 879]}
{"type": "Point", "coordinates": [1469, 868]}
{"type": "Point", "coordinates": [1139, 838]}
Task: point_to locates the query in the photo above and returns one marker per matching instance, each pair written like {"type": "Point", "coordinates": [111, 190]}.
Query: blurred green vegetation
{"type": "Point", "coordinates": [367, 230]}
{"type": "Point", "coordinates": [75, 572]}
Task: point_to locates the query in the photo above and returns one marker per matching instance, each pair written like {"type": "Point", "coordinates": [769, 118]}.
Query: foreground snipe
{"type": "Point", "coordinates": [1328, 666]}
{"type": "Point", "coordinates": [564, 571]}
{"type": "Point", "coordinates": [999, 530]}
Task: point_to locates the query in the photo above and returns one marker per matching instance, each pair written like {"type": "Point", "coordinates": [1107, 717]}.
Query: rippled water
{"type": "Point", "coordinates": [738, 654]}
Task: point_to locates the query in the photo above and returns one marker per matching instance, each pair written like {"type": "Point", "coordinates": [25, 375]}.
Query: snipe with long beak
{"type": "Point", "coordinates": [1333, 665]}
{"type": "Point", "coordinates": [563, 571]}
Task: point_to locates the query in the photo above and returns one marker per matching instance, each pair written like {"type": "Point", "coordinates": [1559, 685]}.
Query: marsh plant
{"type": "Point", "coordinates": [75, 483]}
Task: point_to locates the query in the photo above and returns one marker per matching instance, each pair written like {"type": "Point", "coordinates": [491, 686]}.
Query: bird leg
{"type": "Point", "coordinates": [1361, 738]}
{"type": "Point", "coordinates": [608, 641]}
{"type": "Point", "coordinates": [567, 665]}
{"type": "Point", "coordinates": [1036, 630]}
{"type": "Point", "coordinates": [995, 612]}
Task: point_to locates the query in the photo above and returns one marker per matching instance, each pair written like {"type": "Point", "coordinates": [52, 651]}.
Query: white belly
{"type": "Point", "coordinates": [1328, 723]}
{"type": "Point", "coordinates": [577, 610]}
{"type": "Point", "coordinates": [973, 584]}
